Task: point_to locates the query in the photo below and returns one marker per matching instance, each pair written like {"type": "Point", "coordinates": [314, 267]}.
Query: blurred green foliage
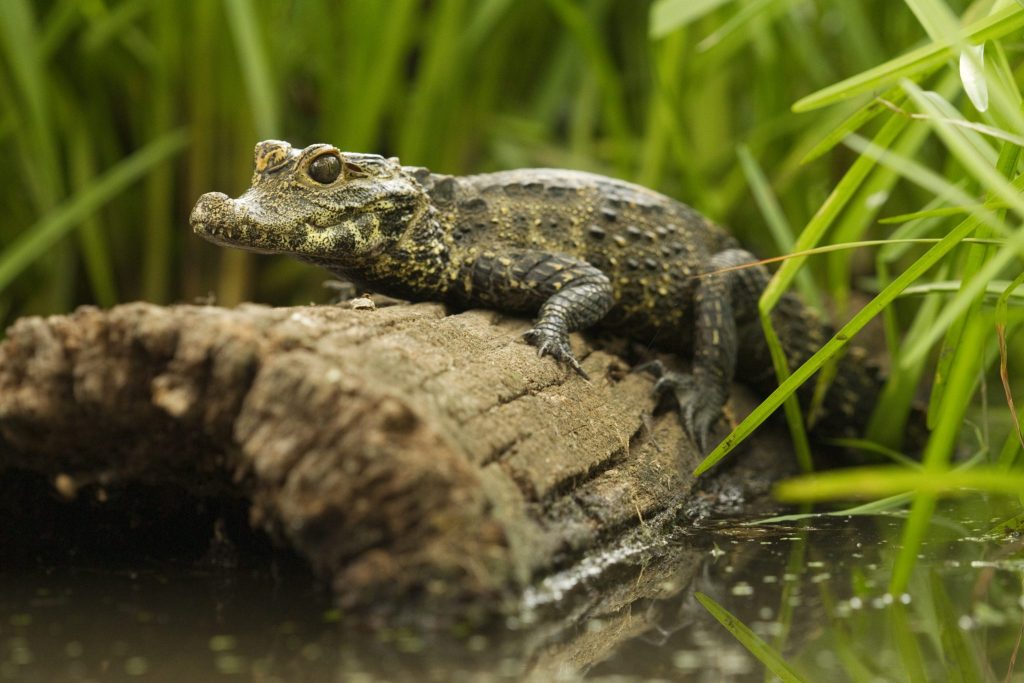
{"type": "Point", "coordinates": [457, 85]}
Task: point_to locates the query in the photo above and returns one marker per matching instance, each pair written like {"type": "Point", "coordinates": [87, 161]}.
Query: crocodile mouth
{"type": "Point", "coordinates": [227, 236]}
{"type": "Point", "coordinates": [215, 219]}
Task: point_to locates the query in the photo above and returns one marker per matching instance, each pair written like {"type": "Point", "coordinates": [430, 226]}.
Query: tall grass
{"type": "Point", "coordinates": [455, 85]}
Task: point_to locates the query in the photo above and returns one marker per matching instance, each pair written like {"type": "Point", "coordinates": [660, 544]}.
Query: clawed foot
{"type": "Point", "coordinates": [556, 345]}
{"type": "Point", "coordinates": [698, 408]}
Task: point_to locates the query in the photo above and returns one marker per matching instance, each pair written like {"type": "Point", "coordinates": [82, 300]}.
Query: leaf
{"type": "Point", "coordinates": [972, 73]}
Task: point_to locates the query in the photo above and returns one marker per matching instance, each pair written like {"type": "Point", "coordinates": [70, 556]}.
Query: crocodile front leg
{"type": "Point", "coordinates": [568, 294]}
{"type": "Point", "coordinates": [719, 302]}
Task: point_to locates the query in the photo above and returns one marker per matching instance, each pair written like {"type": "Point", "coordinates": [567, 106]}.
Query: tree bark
{"type": "Point", "coordinates": [410, 456]}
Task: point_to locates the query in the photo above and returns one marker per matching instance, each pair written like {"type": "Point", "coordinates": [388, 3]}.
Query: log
{"type": "Point", "coordinates": [415, 458]}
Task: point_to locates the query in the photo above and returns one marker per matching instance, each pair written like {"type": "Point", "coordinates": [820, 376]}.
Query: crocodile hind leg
{"type": "Point", "coordinates": [720, 300]}
{"type": "Point", "coordinates": [567, 294]}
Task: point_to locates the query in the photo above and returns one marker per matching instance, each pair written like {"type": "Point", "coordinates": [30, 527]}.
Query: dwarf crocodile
{"type": "Point", "coordinates": [573, 249]}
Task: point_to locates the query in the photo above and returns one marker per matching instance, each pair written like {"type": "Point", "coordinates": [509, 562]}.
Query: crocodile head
{"type": "Point", "coordinates": [318, 203]}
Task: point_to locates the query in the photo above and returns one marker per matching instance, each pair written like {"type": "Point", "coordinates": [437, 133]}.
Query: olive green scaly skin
{"type": "Point", "coordinates": [574, 249]}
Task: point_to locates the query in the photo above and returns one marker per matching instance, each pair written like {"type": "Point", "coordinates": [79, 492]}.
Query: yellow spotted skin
{"type": "Point", "coordinates": [574, 249]}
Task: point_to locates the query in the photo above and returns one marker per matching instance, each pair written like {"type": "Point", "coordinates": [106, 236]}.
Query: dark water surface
{"type": "Point", "coordinates": [816, 594]}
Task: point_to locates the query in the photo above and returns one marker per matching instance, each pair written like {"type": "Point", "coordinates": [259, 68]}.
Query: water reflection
{"type": "Point", "coordinates": [815, 594]}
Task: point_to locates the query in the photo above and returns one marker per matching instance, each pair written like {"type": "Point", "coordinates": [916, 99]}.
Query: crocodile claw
{"type": "Point", "coordinates": [698, 410]}
{"type": "Point", "coordinates": [552, 344]}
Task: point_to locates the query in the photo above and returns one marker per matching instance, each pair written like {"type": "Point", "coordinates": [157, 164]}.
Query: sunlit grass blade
{"type": "Point", "coordinates": [888, 506]}
{"type": "Point", "coordinates": [852, 123]}
{"type": "Point", "coordinates": [940, 212]}
{"type": "Point", "coordinates": [668, 15]}
{"type": "Point", "coordinates": [857, 483]}
{"type": "Point", "coordinates": [36, 240]}
{"type": "Point", "coordinates": [917, 61]}
{"type": "Point", "coordinates": [935, 17]}
{"type": "Point", "coordinates": [994, 289]}
{"type": "Point", "coordinates": [765, 654]}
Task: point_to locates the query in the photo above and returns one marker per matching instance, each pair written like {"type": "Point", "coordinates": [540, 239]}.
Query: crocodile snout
{"type": "Point", "coordinates": [208, 211]}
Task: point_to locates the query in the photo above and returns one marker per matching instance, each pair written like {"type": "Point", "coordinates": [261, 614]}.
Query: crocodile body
{"type": "Point", "coordinates": [574, 249]}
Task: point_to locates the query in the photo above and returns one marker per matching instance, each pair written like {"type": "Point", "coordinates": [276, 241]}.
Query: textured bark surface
{"type": "Point", "coordinates": [410, 456]}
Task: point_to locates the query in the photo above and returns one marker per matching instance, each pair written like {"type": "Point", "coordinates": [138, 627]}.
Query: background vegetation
{"type": "Point", "coordinates": [184, 89]}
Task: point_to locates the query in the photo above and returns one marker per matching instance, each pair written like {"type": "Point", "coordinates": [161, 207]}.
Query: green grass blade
{"type": "Point", "coordinates": [776, 220]}
{"type": "Point", "coordinates": [37, 143]}
{"type": "Point", "coordinates": [791, 406]}
{"type": "Point", "coordinates": [906, 644]}
{"type": "Point", "coordinates": [940, 212]}
{"type": "Point", "coordinates": [40, 237]}
{"type": "Point", "coordinates": [668, 15]}
{"type": "Point", "coordinates": [112, 23]}
{"type": "Point", "coordinates": [95, 250]}
{"type": "Point", "coordinates": [826, 215]}
{"type": "Point", "coordinates": [853, 122]}
{"type": "Point", "coordinates": [255, 65]}
{"type": "Point", "coordinates": [1001, 319]}
{"type": "Point", "coordinates": [883, 506]}
{"type": "Point", "coordinates": [994, 289]}
{"type": "Point", "coordinates": [935, 17]}
{"type": "Point", "coordinates": [917, 61]}
{"type": "Point", "coordinates": [765, 654]}
{"type": "Point", "coordinates": [953, 403]}
{"type": "Point", "coordinates": [858, 483]}
{"type": "Point", "coordinates": [962, 665]}
{"type": "Point", "coordinates": [603, 68]}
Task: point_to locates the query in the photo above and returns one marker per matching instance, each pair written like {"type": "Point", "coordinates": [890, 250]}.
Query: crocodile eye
{"type": "Point", "coordinates": [325, 168]}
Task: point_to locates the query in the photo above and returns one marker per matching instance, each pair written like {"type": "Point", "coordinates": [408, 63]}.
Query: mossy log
{"type": "Point", "coordinates": [410, 455]}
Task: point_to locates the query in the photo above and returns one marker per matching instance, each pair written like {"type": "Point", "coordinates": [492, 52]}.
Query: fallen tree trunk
{"type": "Point", "coordinates": [410, 456]}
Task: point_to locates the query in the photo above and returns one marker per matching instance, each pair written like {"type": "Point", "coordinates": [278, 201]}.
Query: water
{"type": "Point", "coordinates": [815, 592]}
